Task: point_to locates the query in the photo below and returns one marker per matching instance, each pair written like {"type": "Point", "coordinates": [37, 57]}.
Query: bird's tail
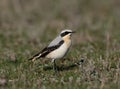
{"type": "Point", "coordinates": [37, 56]}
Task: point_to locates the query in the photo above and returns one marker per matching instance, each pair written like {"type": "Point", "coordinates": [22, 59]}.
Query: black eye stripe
{"type": "Point", "coordinates": [65, 33]}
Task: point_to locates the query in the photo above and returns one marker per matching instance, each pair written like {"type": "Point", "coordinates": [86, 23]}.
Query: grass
{"type": "Point", "coordinates": [25, 28]}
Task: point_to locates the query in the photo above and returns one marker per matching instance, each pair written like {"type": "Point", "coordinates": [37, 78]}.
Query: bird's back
{"type": "Point", "coordinates": [55, 41]}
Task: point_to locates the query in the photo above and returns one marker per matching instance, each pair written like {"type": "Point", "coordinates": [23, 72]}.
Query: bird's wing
{"type": "Point", "coordinates": [55, 41]}
{"type": "Point", "coordinates": [46, 51]}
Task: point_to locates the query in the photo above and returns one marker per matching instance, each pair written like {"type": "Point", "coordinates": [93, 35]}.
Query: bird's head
{"type": "Point", "coordinates": [66, 33]}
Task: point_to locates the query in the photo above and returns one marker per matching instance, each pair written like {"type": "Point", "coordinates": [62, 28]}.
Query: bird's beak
{"type": "Point", "coordinates": [73, 31]}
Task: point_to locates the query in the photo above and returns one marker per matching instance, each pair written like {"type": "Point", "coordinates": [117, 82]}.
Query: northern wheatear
{"type": "Point", "coordinates": [57, 49]}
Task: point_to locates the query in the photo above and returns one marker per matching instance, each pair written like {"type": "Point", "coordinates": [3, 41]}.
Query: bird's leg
{"type": "Point", "coordinates": [54, 66]}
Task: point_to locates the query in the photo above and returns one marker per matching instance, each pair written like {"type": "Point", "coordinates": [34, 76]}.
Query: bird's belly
{"type": "Point", "coordinates": [58, 53]}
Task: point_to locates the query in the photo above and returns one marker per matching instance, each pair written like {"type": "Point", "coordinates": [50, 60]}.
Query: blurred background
{"type": "Point", "coordinates": [35, 17]}
{"type": "Point", "coordinates": [36, 21]}
{"type": "Point", "coordinates": [38, 16]}
{"type": "Point", "coordinates": [41, 18]}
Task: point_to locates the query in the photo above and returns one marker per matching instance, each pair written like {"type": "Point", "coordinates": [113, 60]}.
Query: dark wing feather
{"type": "Point", "coordinates": [46, 51]}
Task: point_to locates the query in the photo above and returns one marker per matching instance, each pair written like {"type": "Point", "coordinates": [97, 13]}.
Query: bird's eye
{"type": "Point", "coordinates": [65, 33]}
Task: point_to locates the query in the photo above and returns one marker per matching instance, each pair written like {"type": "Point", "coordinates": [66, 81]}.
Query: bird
{"type": "Point", "coordinates": [57, 48]}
